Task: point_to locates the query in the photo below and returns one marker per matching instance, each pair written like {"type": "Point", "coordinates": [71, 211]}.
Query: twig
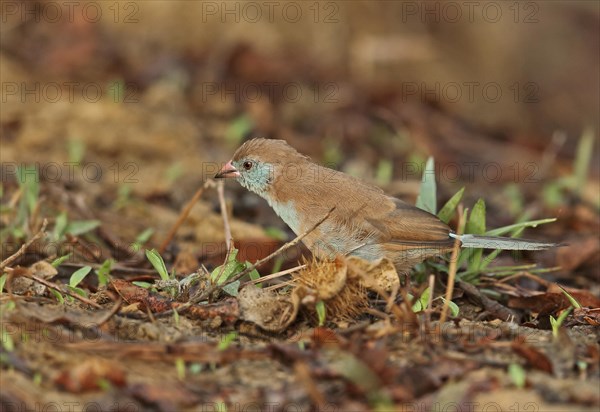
{"type": "Point", "coordinates": [111, 312]}
{"type": "Point", "coordinates": [275, 275]}
{"type": "Point", "coordinates": [223, 205]}
{"type": "Point", "coordinates": [453, 267]}
{"type": "Point", "coordinates": [428, 310]}
{"type": "Point", "coordinates": [278, 286]}
{"type": "Point", "coordinates": [184, 214]}
{"type": "Point", "coordinates": [68, 292]}
{"type": "Point", "coordinates": [25, 246]}
{"type": "Point", "coordinates": [490, 305]}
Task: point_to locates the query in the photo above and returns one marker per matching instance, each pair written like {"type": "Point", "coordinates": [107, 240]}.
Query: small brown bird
{"type": "Point", "coordinates": [365, 221]}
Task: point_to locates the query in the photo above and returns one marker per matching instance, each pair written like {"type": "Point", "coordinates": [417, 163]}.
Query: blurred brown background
{"type": "Point", "coordinates": [165, 82]}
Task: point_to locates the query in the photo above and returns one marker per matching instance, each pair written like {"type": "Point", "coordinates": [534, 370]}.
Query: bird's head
{"type": "Point", "coordinates": [258, 163]}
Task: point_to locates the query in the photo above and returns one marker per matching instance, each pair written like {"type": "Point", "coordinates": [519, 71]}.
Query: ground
{"type": "Point", "coordinates": [104, 178]}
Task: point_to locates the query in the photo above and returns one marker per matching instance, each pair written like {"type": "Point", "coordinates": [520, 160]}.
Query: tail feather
{"type": "Point", "coordinates": [504, 243]}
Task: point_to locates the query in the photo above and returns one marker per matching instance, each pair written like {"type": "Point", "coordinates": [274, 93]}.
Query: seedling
{"type": "Point", "coordinates": [62, 226]}
{"type": "Point", "coordinates": [227, 341]}
{"type": "Point", "coordinates": [517, 375]}
{"type": "Point", "coordinates": [321, 312]}
{"type": "Point", "coordinates": [103, 272]}
{"type": "Point", "coordinates": [60, 260]}
{"type": "Point", "coordinates": [76, 279]}
{"type": "Point", "coordinates": [229, 269]}
{"type": "Point", "coordinates": [158, 263]}
{"type": "Point", "coordinates": [556, 323]}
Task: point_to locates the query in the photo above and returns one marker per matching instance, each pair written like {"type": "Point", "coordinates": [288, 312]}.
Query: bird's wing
{"type": "Point", "coordinates": [408, 227]}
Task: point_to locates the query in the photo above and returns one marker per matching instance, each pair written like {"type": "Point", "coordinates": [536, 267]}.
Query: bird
{"type": "Point", "coordinates": [363, 221]}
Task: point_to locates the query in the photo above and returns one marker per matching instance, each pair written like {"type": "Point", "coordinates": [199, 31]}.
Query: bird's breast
{"type": "Point", "coordinates": [288, 212]}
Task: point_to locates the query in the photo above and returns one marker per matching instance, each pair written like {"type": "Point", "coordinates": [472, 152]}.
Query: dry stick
{"type": "Point", "coordinates": [453, 267]}
{"type": "Point", "coordinates": [431, 287]}
{"type": "Point", "coordinates": [25, 246]}
{"type": "Point", "coordinates": [226, 227]}
{"type": "Point", "coordinates": [111, 312]}
{"type": "Point", "coordinates": [427, 309]}
{"type": "Point", "coordinates": [184, 214]}
{"type": "Point", "coordinates": [249, 269]}
{"type": "Point", "coordinates": [68, 292]}
{"type": "Point", "coordinates": [275, 275]}
{"type": "Point", "coordinates": [278, 286]}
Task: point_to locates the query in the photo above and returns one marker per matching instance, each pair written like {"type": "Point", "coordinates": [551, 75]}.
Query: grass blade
{"type": "Point", "coordinates": [427, 193]}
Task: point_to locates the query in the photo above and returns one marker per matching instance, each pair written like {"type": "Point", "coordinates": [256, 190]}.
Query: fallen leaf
{"type": "Point", "coordinates": [88, 375]}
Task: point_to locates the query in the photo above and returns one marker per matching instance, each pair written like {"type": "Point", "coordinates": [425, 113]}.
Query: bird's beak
{"type": "Point", "coordinates": [227, 171]}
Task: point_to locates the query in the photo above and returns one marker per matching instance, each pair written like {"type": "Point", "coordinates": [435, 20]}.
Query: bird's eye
{"type": "Point", "coordinates": [248, 165]}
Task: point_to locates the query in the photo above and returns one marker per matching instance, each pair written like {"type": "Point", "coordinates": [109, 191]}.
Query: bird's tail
{"type": "Point", "coordinates": [504, 243]}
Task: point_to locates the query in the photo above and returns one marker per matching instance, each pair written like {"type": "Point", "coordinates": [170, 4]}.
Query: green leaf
{"type": "Point", "coordinates": [239, 128]}
{"type": "Point", "coordinates": [583, 159]}
{"type": "Point", "coordinates": [454, 309]}
{"type": "Point", "coordinates": [195, 368]}
{"type": "Point", "coordinates": [60, 226]}
{"type": "Point", "coordinates": [60, 260]}
{"type": "Point", "coordinates": [58, 296]}
{"type": "Point", "coordinates": [321, 312]}
{"type": "Point", "coordinates": [557, 323]}
{"type": "Point", "coordinates": [174, 172]}
{"type": "Point", "coordinates": [79, 227]}
{"type": "Point", "coordinates": [421, 304]}
{"type": "Point", "coordinates": [275, 233]}
{"type": "Point", "coordinates": [141, 239]}
{"type": "Point", "coordinates": [77, 290]}
{"type": "Point", "coordinates": [514, 199]}
{"type": "Point", "coordinates": [254, 274]}
{"type": "Point", "coordinates": [552, 193]}
{"type": "Point", "coordinates": [220, 274]}
{"type": "Point", "coordinates": [517, 375]}
{"type": "Point", "coordinates": [79, 275]}
{"type": "Point", "coordinates": [476, 222]}
{"type": "Point", "coordinates": [220, 406]}
{"type": "Point", "coordinates": [103, 272]}
{"type": "Point", "coordinates": [145, 285]}
{"type": "Point", "coordinates": [3, 282]}
{"type": "Point", "coordinates": [476, 225]}
{"type": "Point", "coordinates": [505, 229]}
{"type": "Point", "coordinates": [180, 368]}
{"type": "Point", "coordinates": [144, 236]}
{"type": "Point", "coordinates": [76, 150]}
{"type": "Point", "coordinates": [385, 172]}
{"type": "Point", "coordinates": [573, 301]}
{"type": "Point", "coordinates": [227, 340]}
{"type": "Point", "coordinates": [7, 341]}
{"type": "Point", "coordinates": [226, 271]}
{"type": "Point", "coordinates": [29, 183]}
{"type": "Point", "coordinates": [232, 288]}
{"type": "Point", "coordinates": [158, 263]}
{"type": "Point", "coordinates": [445, 214]}
{"type": "Point", "coordinates": [427, 192]}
